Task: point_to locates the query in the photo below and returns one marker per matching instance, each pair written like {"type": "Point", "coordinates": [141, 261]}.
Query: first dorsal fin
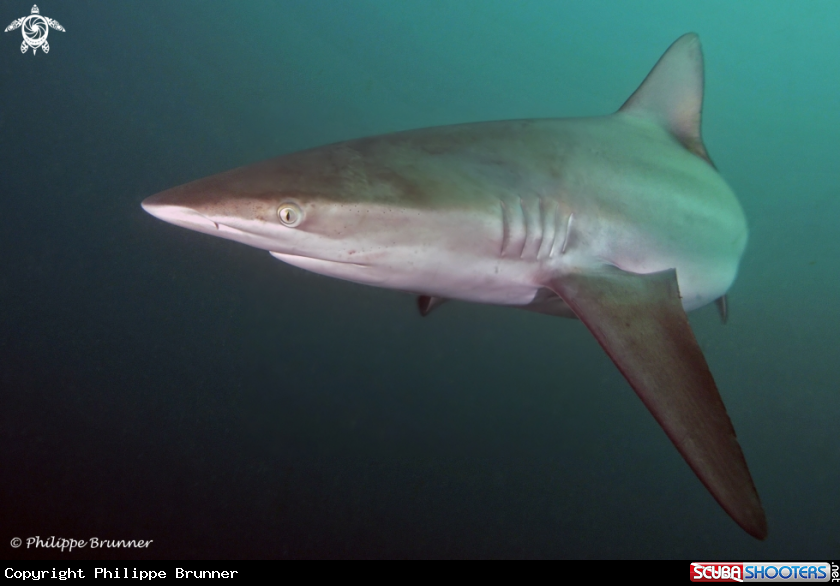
{"type": "Point", "coordinates": [672, 94]}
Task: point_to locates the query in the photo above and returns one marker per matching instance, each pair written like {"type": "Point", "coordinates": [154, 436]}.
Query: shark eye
{"type": "Point", "coordinates": [289, 214]}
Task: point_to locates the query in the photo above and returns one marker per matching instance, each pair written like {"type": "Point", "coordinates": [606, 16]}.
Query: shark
{"type": "Point", "coordinates": [621, 221]}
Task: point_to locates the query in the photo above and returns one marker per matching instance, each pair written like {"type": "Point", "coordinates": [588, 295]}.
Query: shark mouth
{"type": "Point", "coordinates": [302, 259]}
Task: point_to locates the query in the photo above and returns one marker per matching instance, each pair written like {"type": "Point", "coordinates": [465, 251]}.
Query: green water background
{"type": "Point", "coordinates": [160, 384]}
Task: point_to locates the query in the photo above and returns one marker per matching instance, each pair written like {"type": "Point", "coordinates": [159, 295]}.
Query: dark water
{"type": "Point", "coordinates": [159, 384]}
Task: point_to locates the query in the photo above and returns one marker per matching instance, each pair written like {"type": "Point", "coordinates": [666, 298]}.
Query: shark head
{"type": "Point", "coordinates": [301, 209]}
{"type": "Point", "coordinates": [408, 211]}
{"type": "Point", "coordinates": [621, 221]}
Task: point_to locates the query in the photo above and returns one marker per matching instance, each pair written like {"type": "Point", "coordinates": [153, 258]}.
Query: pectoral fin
{"type": "Point", "coordinates": [639, 320]}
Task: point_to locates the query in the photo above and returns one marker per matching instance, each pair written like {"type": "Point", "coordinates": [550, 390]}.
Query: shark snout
{"type": "Point", "coordinates": [164, 208]}
{"type": "Point", "coordinates": [185, 208]}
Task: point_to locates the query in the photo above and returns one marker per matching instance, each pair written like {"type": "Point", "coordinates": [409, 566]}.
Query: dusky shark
{"type": "Point", "coordinates": [621, 221]}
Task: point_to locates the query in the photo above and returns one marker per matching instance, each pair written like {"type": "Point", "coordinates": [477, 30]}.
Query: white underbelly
{"type": "Point", "coordinates": [491, 280]}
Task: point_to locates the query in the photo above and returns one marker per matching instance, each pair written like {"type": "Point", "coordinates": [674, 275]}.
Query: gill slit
{"type": "Point", "coordinates": [546, 228]}
{"type": "Point", "coordinates": [525, 223]}
{"type": "Point", "coordinates": [505, 228]}
{"type": "Point", "coordinates": [557, 222]}
{"type": "Point", "coordinates": [568, 233]}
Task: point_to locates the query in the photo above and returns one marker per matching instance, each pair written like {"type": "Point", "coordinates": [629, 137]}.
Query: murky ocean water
{"type": "Point", "coordinates": [159, 384]}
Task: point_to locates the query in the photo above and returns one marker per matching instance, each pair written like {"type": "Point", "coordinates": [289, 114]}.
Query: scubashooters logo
{"type": "Point", "coordinates": [763, 572]}
{"type": "Point", "coordinates": [35, 29]}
